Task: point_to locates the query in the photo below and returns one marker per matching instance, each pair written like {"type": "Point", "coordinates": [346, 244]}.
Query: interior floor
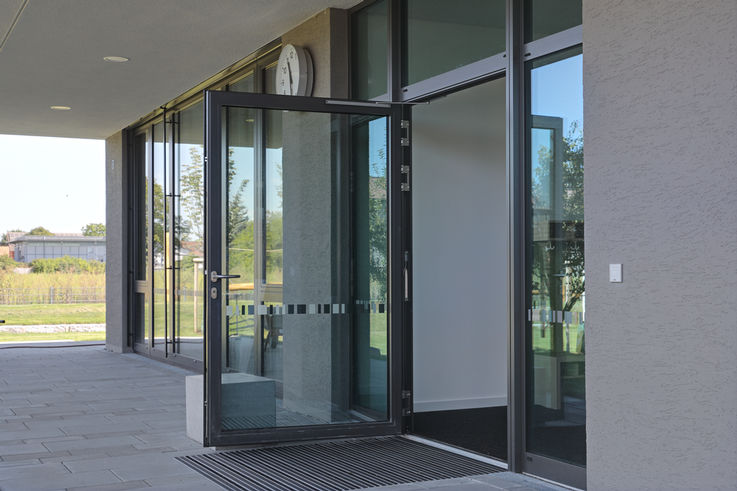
{"type": "Point", "coordinates": [482, 430]}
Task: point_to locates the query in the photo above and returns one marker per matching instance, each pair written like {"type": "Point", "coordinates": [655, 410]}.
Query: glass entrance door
{"type": "Point", "coordinates": [301, 337]}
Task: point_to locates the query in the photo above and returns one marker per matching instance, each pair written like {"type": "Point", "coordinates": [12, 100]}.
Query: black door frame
{"type": "Point", "coordinates": [215, 101]}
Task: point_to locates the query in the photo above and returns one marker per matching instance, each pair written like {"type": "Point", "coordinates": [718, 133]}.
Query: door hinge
{"type": "Point", "coordinates": [404, 142]}
{"type": "Point", "coordinates": [404, 124]}
{"type": "Point", "coordinates": [404, 169]}
{"type": "Point", "coordinates": [406, 403]}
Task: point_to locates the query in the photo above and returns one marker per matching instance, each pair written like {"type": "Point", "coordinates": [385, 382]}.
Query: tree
{"type": "Point", "coordinates": [39, 231]}
{"type": "Point", "coordinates": [193, 195]}
{"type": "Point", "coordinates": [94, 230]}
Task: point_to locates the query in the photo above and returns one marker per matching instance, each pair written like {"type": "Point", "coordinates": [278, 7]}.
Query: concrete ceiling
{"type": "Point", "coordinates": [53, 55]}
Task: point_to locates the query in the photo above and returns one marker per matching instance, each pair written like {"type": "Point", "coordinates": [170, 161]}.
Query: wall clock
{"type": "Point", "coordinates": [294, 71]}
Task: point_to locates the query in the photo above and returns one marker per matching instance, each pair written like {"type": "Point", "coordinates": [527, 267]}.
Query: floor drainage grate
{"type": "Point", "coordinates": [341, 465]}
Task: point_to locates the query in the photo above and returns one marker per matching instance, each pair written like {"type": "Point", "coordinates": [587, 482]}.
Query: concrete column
{"type": "Point", "coordinates": [116, 328]}
{"type": "Point", "coordinates": [660, 99]}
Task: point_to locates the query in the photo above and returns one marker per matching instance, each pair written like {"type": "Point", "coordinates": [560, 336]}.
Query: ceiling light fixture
{"type": "Point", "coordinates": [116, 59]}
{"type": "Point", "coordinates": [60, 108]}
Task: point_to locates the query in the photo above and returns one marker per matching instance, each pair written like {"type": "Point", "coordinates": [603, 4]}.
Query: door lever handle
{"type": "Point", "coordinates": [214, 276]}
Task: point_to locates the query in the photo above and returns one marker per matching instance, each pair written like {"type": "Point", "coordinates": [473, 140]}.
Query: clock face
{"type": "Point", "coordinates": [294, 71]}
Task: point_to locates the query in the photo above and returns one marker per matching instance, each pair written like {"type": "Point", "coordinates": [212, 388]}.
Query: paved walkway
{"type": "Point", "coordinates": [83, 418]}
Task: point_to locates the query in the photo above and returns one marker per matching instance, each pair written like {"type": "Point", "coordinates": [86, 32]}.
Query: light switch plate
{"type": "Point", "coordinates": [615, 273]}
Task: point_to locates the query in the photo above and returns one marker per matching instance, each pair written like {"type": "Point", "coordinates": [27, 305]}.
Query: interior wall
{"type": "Point", "coordinates": [459, 229]}
{"type": "Point", "coordinates": [660, 99]}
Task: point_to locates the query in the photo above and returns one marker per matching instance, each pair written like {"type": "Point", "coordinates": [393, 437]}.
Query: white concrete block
{"type": "Point", "coordinates": [194, 407]}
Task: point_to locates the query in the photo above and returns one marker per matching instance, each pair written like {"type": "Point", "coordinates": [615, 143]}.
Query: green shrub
{"type": "Point", "coordinates": [67, 264]}
{"type": "Point", "coordinates": [8, 264]}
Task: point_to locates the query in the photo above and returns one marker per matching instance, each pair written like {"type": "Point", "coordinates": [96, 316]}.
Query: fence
{"type": "Point", "coordinates": [51, 295]}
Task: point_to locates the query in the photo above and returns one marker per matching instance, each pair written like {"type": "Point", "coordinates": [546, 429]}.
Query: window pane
{"type": "Point", "coordinates": [189, 232]}
{"type": "Point", "coordinates": [270, 79]}
{"type": "Point", "coordinates": [556, 405]}
{"type": "Point", "coordinates": [546, 17]}
{"type": "Point", "coordinates": [141, 223]}
{"type": "Point", "coordinates": [243, 85]}
{"type": "Point", "coordinates": [159, 235]}
{"type": "Point", "coordinates": [370, 210]}
{"type": "Point", "coordinates": [442, 35]}
{"type": "Point", "coordinates": [305, 326]}
{"type": "Point", "coordinates": [239, 235]}
{"type": "Point", "coordinates": [369, 33]}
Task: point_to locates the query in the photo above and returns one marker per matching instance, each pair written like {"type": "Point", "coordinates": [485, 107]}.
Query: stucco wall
{"type": "Point", "coordinates": [660, 92]}
{"type": "Point", "coordinates": [115, 291]}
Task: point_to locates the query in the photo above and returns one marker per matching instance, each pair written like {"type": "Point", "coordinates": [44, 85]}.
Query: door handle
{"type": "Point", "coordinates": [214, 276]}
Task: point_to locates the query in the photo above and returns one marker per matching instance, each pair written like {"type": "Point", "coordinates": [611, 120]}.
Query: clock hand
{"type": "Point", "coordinates": [289, 69]}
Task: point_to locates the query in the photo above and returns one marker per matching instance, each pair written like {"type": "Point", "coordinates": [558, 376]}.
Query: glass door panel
{"type": "Point", "coordinates": [298, 260]}
{"type": "Point", "coordinates": [189, 232]}
{"type": "Point", "coordinates": [556, 398]}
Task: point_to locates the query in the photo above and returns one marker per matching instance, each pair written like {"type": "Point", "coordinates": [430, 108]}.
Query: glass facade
{"type": "Point", "coordinates": [556, 397]}
{"type": "Point", "coordinates": [304, 238]}
{"type": "Point", "coordinates": [169, 204]}
{"type": "Point", "coordinates": [189, 232]}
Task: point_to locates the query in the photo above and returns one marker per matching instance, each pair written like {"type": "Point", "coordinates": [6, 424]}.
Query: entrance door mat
{"type": "Point", "coordinates": [336, 465]}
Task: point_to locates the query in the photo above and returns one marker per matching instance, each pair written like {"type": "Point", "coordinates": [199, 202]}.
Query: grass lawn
{"type": "Point", "coordinates": [6, 337]}
{"type": "Point", "coordinates": [35, 314]}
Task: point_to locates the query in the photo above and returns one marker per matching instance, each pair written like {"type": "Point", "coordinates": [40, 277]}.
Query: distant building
{"type": "Point", "coordinates": [30, 247]}
{"type": "Point", "coordinates": [11, 236]}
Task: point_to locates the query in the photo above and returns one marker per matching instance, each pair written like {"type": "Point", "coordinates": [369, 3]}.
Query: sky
{"type": "Point", "coordinates": [56, 183]}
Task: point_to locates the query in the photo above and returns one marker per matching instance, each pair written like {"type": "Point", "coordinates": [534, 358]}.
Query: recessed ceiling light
{"type": "Point", "coordinates": [60, 108]}
{"type": "Point", "coordinates": [116, 59]}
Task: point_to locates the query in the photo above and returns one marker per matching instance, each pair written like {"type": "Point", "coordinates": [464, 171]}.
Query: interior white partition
{"type": "Point", "coordinates": [459, 227]}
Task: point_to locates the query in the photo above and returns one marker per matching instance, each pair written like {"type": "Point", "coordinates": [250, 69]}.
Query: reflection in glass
{"type": "Point", "coordinates": [160, 285]}
{"type": "Point", "coordinates": [442, 35]}
{"type": "Point", "coordinates": [369, 37]}
{"type": "Point", "coordinates": [291, 320]}
{"type": "Point", "coordinates": [556, 404]}
{"type": "Point", "coordinates": [189, 232]}
{"type": "Point", "coordinates": [546, 17]}
{"type": "Point", "coordinates": [273, 193]}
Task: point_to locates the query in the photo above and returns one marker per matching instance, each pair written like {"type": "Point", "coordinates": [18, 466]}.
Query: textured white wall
{"type": "Point", "coordinates": [660, 96]}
